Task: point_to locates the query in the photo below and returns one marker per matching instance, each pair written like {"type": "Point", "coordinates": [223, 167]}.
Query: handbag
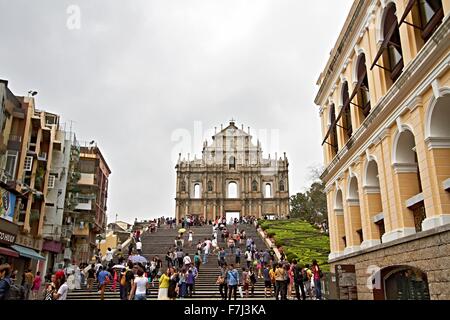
{"type": "Point", "coordinates": [220, 280]}
{"type": "Point", "coordinates": [240, 292]}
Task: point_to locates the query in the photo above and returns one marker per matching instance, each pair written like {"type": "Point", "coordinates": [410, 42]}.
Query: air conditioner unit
{"type": "Point", "coordinates": [4, 178]}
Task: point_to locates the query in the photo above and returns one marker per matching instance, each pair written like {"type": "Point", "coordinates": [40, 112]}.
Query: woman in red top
{"type": "Point", "coordinates": [317, 275]}
{"type": "Point", "coordinates": [36, 285]}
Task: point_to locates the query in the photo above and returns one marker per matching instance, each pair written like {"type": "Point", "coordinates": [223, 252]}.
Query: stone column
{"type": "Point", "coordinates": [371, 198]}
{"type": "Point", "coordinates": [204, 209]}
{"type": "Point", "coordinates": [260, 210]}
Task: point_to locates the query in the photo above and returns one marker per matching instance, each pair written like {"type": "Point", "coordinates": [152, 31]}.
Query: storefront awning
{"type": "Point", "coordinates": [8, 252]}
{"type": "Point", "coordinates": [26, 252]}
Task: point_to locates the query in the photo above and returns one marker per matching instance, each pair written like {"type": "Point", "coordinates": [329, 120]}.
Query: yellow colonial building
{"type": "Point", "coordinates": [384, 102]}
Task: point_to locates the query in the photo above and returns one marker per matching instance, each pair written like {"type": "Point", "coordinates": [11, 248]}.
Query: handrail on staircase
{"type": "Point", "coordinates": [122, 246]}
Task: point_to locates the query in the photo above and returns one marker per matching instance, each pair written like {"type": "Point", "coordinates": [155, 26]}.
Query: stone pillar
{"type": "Point", "coordinates": [352, 219]}
{"type": "Point", "coordinates": [204, 210]}
{"type": "Point", "coordinates": [260, 210]}
{"type": "Point", "coordinates": [371, 198]}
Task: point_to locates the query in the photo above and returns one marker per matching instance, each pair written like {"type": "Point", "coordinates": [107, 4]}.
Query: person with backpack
{"type": "Point", "coordinates": [317, 273]}
{"type": "Point", "coordinates": [298, 284]}
{"type": "Point", "coordinates": [307, 275]}
{"type": "Point", "coordinates": [5, 281]}
{"type": "Point", "coordinates": [197, 261]}
{"type": "Point", "coordinates": [104, 278]}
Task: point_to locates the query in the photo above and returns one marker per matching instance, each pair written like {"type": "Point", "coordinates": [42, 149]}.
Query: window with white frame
{"type": "Point", "coordinates": [11, 164]}
{"type": "Point", "coordinates": [197, 191]}
{"type": "Point", "coordinates": [268, 189]}
{"type": "Point", "coordinates": [232, 190]}
{"type": "Point", "coordinates": [28, 163]}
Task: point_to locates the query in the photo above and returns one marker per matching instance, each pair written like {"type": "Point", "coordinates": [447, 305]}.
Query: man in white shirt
{"type": "Point", "coordinates": [63, 288]}
{"type": "Point", "coordinates": [139, 247]}
{"type": "Point", "coordinates": [109, 256]}
{"type": "Point", "coordinates": [187, 260]}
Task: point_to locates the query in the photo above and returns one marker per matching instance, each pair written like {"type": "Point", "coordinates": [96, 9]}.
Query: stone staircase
{"type": "Point", "coordinates": [159, 243]}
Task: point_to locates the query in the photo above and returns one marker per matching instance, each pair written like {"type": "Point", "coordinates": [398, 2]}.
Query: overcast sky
{"type": "Point", "coordinates": [137, 75]}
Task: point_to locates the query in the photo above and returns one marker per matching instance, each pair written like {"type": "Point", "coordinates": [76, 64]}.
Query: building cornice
{"type": "Point", "coordinates": [350, 34]}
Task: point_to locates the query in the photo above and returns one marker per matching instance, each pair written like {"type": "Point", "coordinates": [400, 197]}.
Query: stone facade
{"type": "Point", "coordinates": [232, 176]}
{"type": "Point", "coordinates": [428, 251]}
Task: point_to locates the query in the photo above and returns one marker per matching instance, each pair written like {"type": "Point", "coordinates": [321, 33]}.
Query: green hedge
{"type": "Point", "coordinates": [300, 240]}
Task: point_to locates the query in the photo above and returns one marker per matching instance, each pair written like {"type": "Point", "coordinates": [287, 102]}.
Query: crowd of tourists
{"type": "Point", "coordinates": [240, 262]}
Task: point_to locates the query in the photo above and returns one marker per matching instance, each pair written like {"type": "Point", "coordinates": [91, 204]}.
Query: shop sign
{"type": "Point", "coordinates": [8, 232]}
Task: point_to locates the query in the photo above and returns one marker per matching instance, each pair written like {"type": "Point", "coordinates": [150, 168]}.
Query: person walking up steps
{"type": "Point", "coordinates": [233, 282]}
{"type": "Point", "coordinates": [222, 282]}
{"type": "Point", "coordinates": [298, 280]}
{"type": "Point", "coordinates": [190, 238]}
{"type": "Point", "coordinates": [267, 281]}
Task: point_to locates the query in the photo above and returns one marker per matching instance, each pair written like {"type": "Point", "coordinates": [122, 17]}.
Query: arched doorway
{"type": "Point", "coordinates": [402, 283]}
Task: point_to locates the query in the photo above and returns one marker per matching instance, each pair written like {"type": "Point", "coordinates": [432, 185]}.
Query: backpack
{"type": "Point", "coordinates": [305, 275]}
{"type": "Point", "coordinates": [123, 280]}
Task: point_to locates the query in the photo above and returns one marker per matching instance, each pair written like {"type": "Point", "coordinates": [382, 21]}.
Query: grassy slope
{"type": "Point", "coordinates": [300, 240]}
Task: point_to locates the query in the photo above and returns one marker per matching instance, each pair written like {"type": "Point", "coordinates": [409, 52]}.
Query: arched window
{"type": "Point", "coordinates": [210, 186]}
{"type": "Point", "coordinates": [254, 186]}
{"type": "Point", "coordinates": [232, 190]}
{"type": "Point", "coordinates": [183, 186]}
{"type": "Point", "coordinates": [346, 115]}
{"type": "Point", "coordinates": [363, 86]}
{"type": "Point", "coordinates": [429, 17]}
{"type": "Point", "coordinates": [196, 191]}
{"type": "Point", "coordinates": [339, 212]}
{"type": "Point", "coordinates": [281, 185]}
{"type": "Point", "coordinates": [268, 189]}
{"type": "Point", "coordinates": [232, 163]}
{"type": "Point", "coordinates": [391, 48]}
{"type": "Point", "coordinates": [406, 167]}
